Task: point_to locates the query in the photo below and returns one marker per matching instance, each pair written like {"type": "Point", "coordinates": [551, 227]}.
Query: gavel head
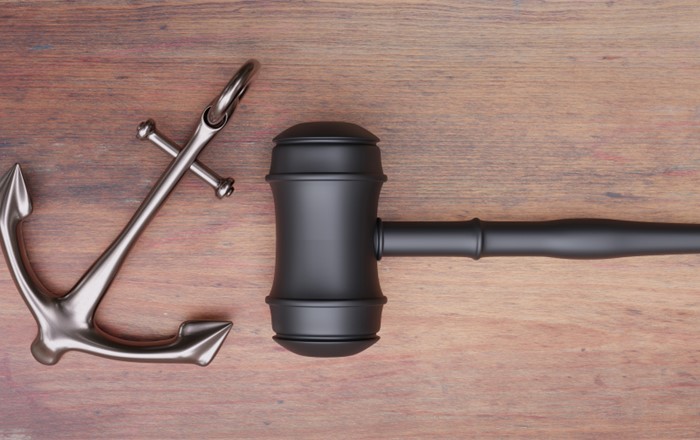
{"type": "Point", "coordinates": [325, 299]}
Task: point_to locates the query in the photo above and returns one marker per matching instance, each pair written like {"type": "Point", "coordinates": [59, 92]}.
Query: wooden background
{"type": "Point", "coordinates": [510, 110]}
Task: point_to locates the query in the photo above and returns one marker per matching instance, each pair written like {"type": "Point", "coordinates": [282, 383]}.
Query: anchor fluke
{"type": "Point", "coordinates": [13, 192]}
{"type": "Point", "coordinates": [205, 337]}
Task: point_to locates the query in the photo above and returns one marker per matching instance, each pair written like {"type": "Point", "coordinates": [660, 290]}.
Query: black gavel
{"type": "Point", "coordinates": [326, 300]}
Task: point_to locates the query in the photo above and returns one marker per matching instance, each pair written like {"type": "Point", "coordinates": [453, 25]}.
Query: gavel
{"type": "Point", "coordinates": [326, 300]}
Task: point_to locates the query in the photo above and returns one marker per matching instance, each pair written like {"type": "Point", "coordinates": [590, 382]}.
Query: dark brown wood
{"type": "Point", "coordinates": [515, 110]}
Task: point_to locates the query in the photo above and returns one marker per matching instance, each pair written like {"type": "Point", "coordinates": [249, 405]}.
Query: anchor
{"type": "Point", "coordinates": [67, 322]}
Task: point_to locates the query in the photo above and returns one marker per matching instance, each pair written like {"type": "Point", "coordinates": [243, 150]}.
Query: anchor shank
{"type": "Point", "coordinates": [87, 293]}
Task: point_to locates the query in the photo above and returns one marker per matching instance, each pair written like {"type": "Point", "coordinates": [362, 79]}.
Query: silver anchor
{"type": "Point", "coordinates": [67, 322]}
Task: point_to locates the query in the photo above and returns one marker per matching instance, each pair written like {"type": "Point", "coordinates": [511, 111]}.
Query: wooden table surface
{"type": "Point", "coordinates": [512, 110]}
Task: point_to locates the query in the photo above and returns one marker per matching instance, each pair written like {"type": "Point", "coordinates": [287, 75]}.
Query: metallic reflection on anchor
{"type": "Point", "coordinates": [67, 322]}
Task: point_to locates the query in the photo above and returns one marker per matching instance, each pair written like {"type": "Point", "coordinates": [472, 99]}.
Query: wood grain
{"type": "Point", "coordinates": [512, 110]}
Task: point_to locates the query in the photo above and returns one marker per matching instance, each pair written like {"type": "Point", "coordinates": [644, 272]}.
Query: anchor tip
{"type": "Point", "coordinates": [210, 335]}
{"type": "Point", "coordinates": [13, 191]}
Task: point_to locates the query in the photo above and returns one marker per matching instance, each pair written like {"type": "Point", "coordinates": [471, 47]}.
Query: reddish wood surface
{"type": "Point", "coordinates": [522, 110]}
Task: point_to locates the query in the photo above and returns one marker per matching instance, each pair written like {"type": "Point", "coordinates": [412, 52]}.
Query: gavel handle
{"type": "Point", "coordinates": [571, 238]}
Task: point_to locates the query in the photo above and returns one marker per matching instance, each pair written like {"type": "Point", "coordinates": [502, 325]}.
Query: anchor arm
{"type": "Point", "coordinates": [197, 342]}
{"type": "Point", "coordinates": [15, 206]}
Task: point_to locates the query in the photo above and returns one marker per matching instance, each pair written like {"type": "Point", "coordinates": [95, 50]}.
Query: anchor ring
{"type": "Point", "coordinates": [221, 109]}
